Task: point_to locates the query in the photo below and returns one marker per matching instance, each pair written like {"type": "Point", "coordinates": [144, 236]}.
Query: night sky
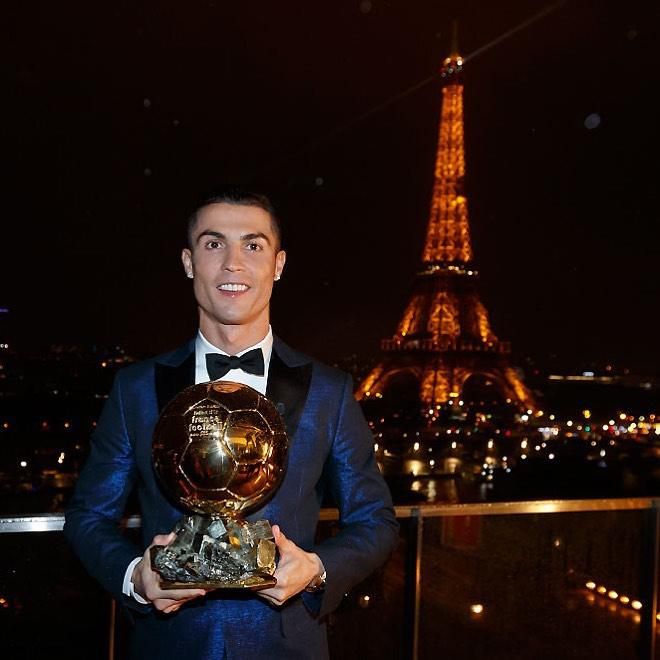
{"type": "Point", "coordinates": [117, 114]}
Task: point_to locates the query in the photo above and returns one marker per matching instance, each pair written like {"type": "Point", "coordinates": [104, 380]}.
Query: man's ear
{"type": "Point", "coordinates": [280, 260]}
{"type": "Point", "coordinates": [186, 258]}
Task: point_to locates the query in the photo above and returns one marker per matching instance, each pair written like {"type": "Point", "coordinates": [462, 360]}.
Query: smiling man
{"type": "Point", "coordinates": [234, 257]}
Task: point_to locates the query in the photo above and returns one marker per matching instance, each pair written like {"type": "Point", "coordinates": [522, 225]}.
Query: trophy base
{"type": "Point", "coordinates": [212, 553]}
{"type": "Point", "coordinates": [253, 582]}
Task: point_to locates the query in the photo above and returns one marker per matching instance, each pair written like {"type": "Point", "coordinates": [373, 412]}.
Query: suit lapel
{"type": "Point", "coordinates": [173, 378]}
{"type": "Point", "coordinates": [288, 385]}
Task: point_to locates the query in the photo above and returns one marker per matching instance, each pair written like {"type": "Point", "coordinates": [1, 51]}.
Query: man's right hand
{"type": "Point", "coordinates": [147, 582]}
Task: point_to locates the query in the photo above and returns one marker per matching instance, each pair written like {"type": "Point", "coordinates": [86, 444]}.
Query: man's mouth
{"type": "Point", "coordinates": [231, 287]}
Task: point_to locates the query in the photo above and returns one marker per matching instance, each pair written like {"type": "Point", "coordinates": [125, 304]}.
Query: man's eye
{"type": "Point", "coordinates": [253, 247]}
{"type": "Point", "coordinates": [213, 244]}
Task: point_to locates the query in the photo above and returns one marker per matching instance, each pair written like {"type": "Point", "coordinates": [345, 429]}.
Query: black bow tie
{"type": "Point", "coordinates": [219, 365]}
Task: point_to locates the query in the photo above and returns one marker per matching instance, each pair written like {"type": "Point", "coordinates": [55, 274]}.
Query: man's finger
{"type": "Point", "coordinates": [181, 594]}
{"type": "Point", "coordinates": [177, 604]}
{"type": "Point", "coordinates": [163, 539]}
{"type": "Point", "coordinates": [168, 604]}
{"type": "Point", "coordinates": [270, 598]}
{"type": "Point", "coordinates": [281, 541]}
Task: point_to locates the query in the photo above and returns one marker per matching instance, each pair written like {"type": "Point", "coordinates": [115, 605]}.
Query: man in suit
{"type": "Point", "coordinates": [233, 258]}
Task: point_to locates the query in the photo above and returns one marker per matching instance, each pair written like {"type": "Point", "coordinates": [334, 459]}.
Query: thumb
{"type": "Point", "coordinates": [163, 539]}
{"type": "Point", "coordinates": [280, 539]}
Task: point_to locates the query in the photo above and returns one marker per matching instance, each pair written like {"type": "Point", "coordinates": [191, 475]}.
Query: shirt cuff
{"type": "Point", "coordinates": [128, 587]}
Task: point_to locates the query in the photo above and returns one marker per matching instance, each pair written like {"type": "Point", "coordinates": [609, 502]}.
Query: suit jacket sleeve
{"type": "Point", "coordinates": [368, 526]}
{"type": "Point", "coordinates": [92, 523]}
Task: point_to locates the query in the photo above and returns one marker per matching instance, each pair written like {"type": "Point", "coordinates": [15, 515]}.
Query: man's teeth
{"type": "Point", "coordinates": [233, 287]}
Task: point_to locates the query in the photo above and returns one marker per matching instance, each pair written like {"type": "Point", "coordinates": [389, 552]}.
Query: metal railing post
{"type": "Point", "coordinates": [413, 584]}
{"type": "Point", "coordinates": [112, 629]}
{"type": "Point", "coordinates": [649, 584]}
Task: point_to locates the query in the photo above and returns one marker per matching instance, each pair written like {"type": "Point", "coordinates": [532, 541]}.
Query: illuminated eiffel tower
{"type": "Point", "coordinates": [444, 338]}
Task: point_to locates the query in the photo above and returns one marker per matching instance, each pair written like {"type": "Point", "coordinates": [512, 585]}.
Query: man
{"type": "Point", "coordinates": [233, 258]}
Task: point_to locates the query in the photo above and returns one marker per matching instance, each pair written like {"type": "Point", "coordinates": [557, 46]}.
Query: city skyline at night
{"type": "Point", "coordinates": [116, 124]}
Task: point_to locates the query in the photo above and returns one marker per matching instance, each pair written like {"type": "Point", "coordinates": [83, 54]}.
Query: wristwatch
{"type": "Point", "coordinates": [317, 584]}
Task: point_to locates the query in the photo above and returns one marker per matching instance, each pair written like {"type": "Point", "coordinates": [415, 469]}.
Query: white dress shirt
{"type": "Point", "coordinates": [203, 346]}
{"type": "Point", "coordinates": [259, 383]}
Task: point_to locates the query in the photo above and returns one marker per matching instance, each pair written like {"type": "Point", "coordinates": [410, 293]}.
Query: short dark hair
{"type": "Point", "coordinates": [232, 194]}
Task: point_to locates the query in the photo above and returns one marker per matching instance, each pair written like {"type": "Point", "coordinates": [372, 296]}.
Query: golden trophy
{"type": "Point", "coordinates": [219, 450]}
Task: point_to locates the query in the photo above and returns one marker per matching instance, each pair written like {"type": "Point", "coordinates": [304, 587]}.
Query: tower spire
{"type": "Point", "coordinates": [453, 51]}
{"type": "Point", "coordinates": [448, 233]}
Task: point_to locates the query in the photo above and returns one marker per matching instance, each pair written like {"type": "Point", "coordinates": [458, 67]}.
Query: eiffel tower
{"type": "Point", "coordinates": [444, 338]}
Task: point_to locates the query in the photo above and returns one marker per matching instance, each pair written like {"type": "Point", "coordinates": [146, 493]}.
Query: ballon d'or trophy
{"type": "Point", "coordinates": [219, 450]}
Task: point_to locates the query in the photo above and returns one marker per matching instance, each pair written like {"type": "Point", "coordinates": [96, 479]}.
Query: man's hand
{"type": "Point", "coordinates": [295, 570]}
{"type": "Point", "coordinates": [147, 582]}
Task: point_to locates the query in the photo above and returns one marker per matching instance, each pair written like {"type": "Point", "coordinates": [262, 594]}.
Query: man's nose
{"type": "Point", "coordinates": [233, 259]}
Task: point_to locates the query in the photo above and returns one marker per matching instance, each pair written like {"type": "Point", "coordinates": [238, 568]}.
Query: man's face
{"type": "Point", "coordinates": [234, 260]}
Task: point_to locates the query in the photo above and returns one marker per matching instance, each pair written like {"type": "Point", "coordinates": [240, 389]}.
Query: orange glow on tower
{"type": "Point", "coordinates": [444, 336]}
{"type": "Point", "coordinates": [448, 233]}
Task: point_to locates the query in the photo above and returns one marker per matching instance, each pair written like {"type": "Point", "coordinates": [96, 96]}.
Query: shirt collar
{"type": "Point", "coordinates": [203, 346]}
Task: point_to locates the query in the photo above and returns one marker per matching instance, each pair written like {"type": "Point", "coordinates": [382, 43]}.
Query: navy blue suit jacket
{"type": "Point", "coordinates": [330, 447]}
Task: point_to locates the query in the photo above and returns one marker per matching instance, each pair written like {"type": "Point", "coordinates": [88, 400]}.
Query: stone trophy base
{"type": "Point", "coordinates": [215, 553]}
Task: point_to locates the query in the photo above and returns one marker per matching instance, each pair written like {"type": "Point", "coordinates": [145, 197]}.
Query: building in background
{"type": "Point", "coordinates": [444, 347]}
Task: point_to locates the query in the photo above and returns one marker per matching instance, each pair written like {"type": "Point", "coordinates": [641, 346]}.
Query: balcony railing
{"type": "Point", "coordinates": [542, 579]}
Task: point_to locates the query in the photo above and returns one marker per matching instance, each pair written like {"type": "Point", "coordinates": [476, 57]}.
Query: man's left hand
{"type": "Point", "coordinates": [295, 570]}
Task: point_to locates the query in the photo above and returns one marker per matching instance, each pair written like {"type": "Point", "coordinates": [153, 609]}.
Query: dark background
{"type": "Point", "coordinates": [117, 114]}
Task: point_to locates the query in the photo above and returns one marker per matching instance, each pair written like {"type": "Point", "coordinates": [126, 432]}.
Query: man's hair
{"type": "Point", "coordinates": [230, 194]}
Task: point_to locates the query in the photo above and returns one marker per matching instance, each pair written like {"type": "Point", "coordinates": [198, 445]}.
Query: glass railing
{"type": "Point", "coordinates": [545, 579]}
